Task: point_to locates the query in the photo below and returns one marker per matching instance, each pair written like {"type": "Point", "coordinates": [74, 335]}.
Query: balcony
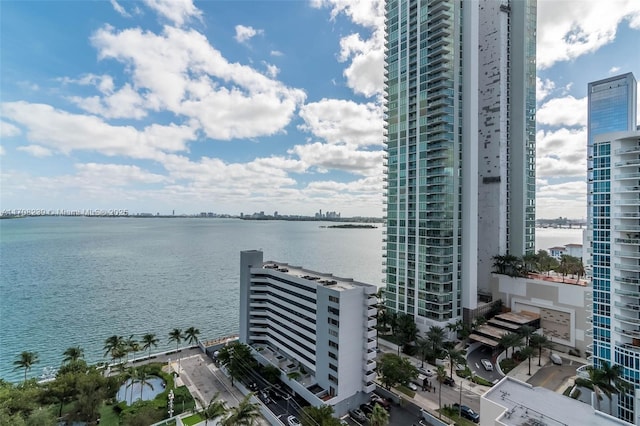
{"type": "Point", "coordinates": [624, 318]}
{"type": "Point", "coordinates": [627, 280]}
{"type": "Point", "coordinates": [627, 267]}
{"type": "Point", "coordinates": [628, 333]}
{"type": "Point", "coordinates": [628, 306]}
{"type": "Point", "coordinates": [627, 293]}
{"type": "Point", "coordinates": [628, 163]}
{"type": "Point", "coordinates": [370, 344]}
{"type": "Point", "coordinates": [369, 387]}
{"type": "Point", "coordinates": [627, 150]}
{"type": "Point", "coordinates": [625, 176]}
{"type": "Point", "coordinates": [369, 376]}
{"type": "Point", "coordinates": [625, 253]}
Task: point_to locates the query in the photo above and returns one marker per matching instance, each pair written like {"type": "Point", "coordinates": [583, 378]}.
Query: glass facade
{"type": "Point", "coordinates": [614, 229]}
{"type": "Point", "coordinates": [425, 68]}
{"type": "Point", "coordinates": [423, 140]}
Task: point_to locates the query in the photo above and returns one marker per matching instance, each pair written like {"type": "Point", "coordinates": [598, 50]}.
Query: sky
{"type": "Point", "coordinates": [166, 106]}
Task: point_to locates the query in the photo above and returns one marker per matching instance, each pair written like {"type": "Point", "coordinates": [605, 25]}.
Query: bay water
{"type": "Point", "coordinates": [74, 281]}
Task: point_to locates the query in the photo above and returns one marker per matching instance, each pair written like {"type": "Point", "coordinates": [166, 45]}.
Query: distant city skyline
{"type": "Point", "coordinates": [237, 107]}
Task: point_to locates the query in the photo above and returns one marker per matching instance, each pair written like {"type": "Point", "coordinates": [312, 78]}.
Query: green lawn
{"type": "Point", "coordinates": [108, 416]}
{"type": "Point", "coordinates": [405, 390]}
{"type": "Point", "coordinates": [192, 420]}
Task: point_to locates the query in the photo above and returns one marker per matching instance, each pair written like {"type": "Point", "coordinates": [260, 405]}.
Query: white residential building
{"type": "Point", "coordinates": [317, 328]}
{"type": "Point", "coordinates": [511, 402]}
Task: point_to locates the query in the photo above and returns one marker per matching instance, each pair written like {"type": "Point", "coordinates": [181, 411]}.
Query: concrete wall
{"type": "Point", "coordinates": [562, 307]}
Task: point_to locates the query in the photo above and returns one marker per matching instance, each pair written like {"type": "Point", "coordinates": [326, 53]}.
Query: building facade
{"type": "Point", "coordinates": [319, 330]}
{"type": "Point", "coordinates": [614, 231]}
{"type": "Point", "coordinates": [460, 142]}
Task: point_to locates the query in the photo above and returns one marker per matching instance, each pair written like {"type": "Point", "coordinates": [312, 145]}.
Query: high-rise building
{"type": "Point", "coordinates": [460, 177]}
{"type": "Point", "coordinates": [614, 232]}
{"type": "Point", "coordinates": [318, 329]}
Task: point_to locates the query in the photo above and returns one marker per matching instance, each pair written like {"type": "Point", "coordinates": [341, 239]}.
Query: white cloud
{"type": "Point", "coordinates": [124, 103]}
{"type": "Point", "coordinates": [339, 157]}
{"type": "Point", "coordinates": [176, 11]}
{"type": "Point", "coordinates": [543, 88]}
{"type": "Point", "coordinates": [614, 70]}
{"type": "Point", "coordinates": [341, 121]}
{"type": "Point", "coordinates": [2, 151]}
{"type": "Point", "coordinates": [116, 174]}
{"type": "Point", "coordinates": [36, 150]}
{"type": "Point", "coordinates": [8, 130]}
{"type": "Point", "coordinates": [569, 29]}
{"type": "Point", "coordinates": [272, 70]}
{"type": "Point", "coordinates": [181, 72]}
{"type": "Point", "coordinates": [118, 8]}
{"type": "Point", "coordinates": [568, 199]}
{"type": "Point", "coordinates": [365, 72]}
{"type": "Point", "coordinates": [561, 153]}
{"type": "Point", "coordinates": [276, 53]}
{"type": "Point", "coordinates": [567, 111]}
{"type": "Point", "coordinates": [244, 33]}
{"type": "Point", "coordinates": [65, 132]}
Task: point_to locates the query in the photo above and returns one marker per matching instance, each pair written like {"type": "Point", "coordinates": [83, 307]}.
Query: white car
{"type": "Point", "coordinates": [555, 358]}
{"type": "Point", "coordinates": [487, 364]}
{"type": "Point", "coordinates": [413, 386]}
{"type": "Point", "coordinates": [293, 421]}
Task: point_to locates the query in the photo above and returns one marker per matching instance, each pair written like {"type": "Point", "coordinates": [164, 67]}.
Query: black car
{"type": "Point", "coordinates": [467, 412]}
{"type": "Point", "coordinates": [366, 409]}
{"type": "Point", "coordinates": [449, 381]}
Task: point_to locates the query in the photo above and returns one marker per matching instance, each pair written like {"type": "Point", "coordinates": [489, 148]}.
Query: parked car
{"type": "Point", "coordinates": [412, 386]}
{"type": "Point", "coordinates": [375, 399]}
{"type": "Point", "coordinates": [426, 372]}
{"type": "Point", "coordinates": [358, 415]}
{"type": "Point", "coordinates": [293, 421]}
{"type": "Point", "coordinates": [420, 423]}
{"type": "Point", "coordinates": [467, 412]}
{"type": "Point", "coordinates": [367, 409]}
{"type": "Point", "coordinates": [449, 381]}
{"type": "Point", "coordinates": [486, 364]}
{"type": "Point", "coordinates": [555, 358]}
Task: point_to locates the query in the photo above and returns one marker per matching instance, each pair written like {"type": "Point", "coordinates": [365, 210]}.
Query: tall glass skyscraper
{"type": "Point", "coordinates": [614, 231]}
{"type": "Point", "coordinates": [460, 178]}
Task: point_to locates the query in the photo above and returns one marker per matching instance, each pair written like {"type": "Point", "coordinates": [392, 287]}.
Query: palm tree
{"type": "Point", "coordinates": [454, 356]}
{"type": "Point", "coordinates": [143, 377]}
{"type": "Point", "coordinates": [424, 347]}
{"type": "Point", "coordinates": [527, 353]}
{"type": "Point", "coordinates": [599, 384]}
{"type": "Point", "coordinates": [379, 416]}
{"type": "Point", "coordinates": [441, 375]}
{"type": "Point", "coordinates": [176, 336]}
{"type": "Point", "coordinates": [114, 346]}
{"type": "Point", "coordinates": [435, 335]}
{"type": "Point", "coordinates": [191, 335]}
{"type": "Point", "coordinates": [26, 360]}
{"type": "Point", "coordinates": [612, 374]}
{"type": "Point", "coordinates": [510, 340]}
{"type": "Point", "coordinates": [245, 414]}
{"type": "Point", "coordinates": [539, 341]}
{"type": "Point", "coordinates": [526, 331]}
{"type": "Point", "coordinates": [72, 354]}
{"type": "Point", "coordinates": [217, 408]}
{"type": "Point", "coordinates": [149, 340]}
{"type": "Point", "coordinates": [128, 345]}
{"type": "Point", "coordinates": [406, 330]}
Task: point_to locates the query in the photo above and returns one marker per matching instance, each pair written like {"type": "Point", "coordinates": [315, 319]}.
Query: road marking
{"type": "Point", "coordinates": [477, 366]}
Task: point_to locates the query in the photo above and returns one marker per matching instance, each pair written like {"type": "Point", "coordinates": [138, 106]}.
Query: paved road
{"type": "Point", "coordinates": [552, 376]}
{"type": "Point", "coordinates": [473, 360]}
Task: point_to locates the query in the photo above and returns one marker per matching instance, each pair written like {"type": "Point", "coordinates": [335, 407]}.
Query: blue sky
{"type": "Point", "coordinates": [243, 106]}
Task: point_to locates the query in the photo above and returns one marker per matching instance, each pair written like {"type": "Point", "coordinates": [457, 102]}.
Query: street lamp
{"type": "Point", "coordinates": [171, 396]}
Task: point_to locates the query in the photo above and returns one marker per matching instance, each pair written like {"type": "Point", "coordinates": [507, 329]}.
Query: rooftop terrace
{"type": "Point", "coordinates": [322, 279]}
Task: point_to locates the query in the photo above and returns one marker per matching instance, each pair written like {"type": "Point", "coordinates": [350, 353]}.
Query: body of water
{"type": "Point", "coordinates": [74, 281]}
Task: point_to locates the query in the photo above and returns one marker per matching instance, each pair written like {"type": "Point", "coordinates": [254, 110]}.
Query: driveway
{"type": "Point", "coordinates": [552, 376]}
{"type": "Point", "coordinates": [473, 360]}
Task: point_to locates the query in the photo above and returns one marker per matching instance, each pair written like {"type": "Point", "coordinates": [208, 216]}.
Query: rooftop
{"type": "Point", "coordinates": [525, 405]}
{"type": "Point", "coordinates": [321, 279]}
